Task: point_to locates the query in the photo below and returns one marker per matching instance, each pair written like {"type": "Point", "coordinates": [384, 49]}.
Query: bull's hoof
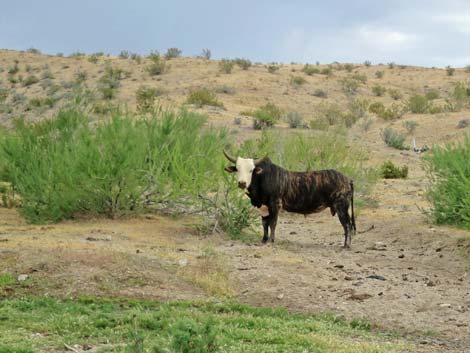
{"type": "Point", "coordinates": [264, 240]}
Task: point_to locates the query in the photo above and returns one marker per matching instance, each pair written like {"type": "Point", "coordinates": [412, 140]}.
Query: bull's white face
{"type": "Point", "coordinates": [245, 167]}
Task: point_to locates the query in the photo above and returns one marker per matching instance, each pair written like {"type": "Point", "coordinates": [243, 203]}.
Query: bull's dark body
{"type": "Point", "coordinates": [301, 192]}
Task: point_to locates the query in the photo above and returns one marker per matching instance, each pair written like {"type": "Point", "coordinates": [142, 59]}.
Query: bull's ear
{"type": "Point", "coordinates": [258, 170]}
{"type": "Point", "coordinates": [231, 169]}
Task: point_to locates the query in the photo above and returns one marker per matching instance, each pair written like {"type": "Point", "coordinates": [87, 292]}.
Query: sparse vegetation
{"type": "Point", "coordinates": [379, 74]}
{"type": "Point", "coordinates": [350, 86]}
{"type": "Point", "coordinates": [297, 81]}
{"type": "Point", "coordinates": [265, 116]}
{"type": "Point", "coordinates": [393, 139]}
{"type": "Point", "coordinates": [206, 54]}
{"type": "Point", "coordinates": [378, 90]}
{"type": "Point", "coordinates": [418, 104]}
{"type": "Point", "coordinates": [203, 96]}
{"type": "Point", "coordinates": [226, 66]}
{"type": "Point", "coordinates": [395, 93]}
{"type": "Point", "coordinates": [30, 80]}
{"type": "Point", "coordinates": [310, 69]}
{"type": "Point", "coordinates": [172, 53]}
{"type": "Point", "coordinates": [432, 94]}
{"type": "Point", "coordinates": [367, 63]}
{"type": "Point", "coordinates": [449, 172]}
{"type": "Point", "coordinates": [295, 120]}
{"type": "Point", "coordinates": [124, 54]}
{"type": "Point", "coordinates": [388, 170]}
{"type": "Point", "coordinates": [244, 64]}
{"type": "Point", "coordinates": [410, 126]}
{"type": "Point", "coordinates": [145, 97]}
{"type": "Point", "coordinates": [157, 66]}
{"type": "Point", "coordinates": [450, 71]}
{"type": "Point", "coordinates": [320, 93]}
{"type": "Point", "coordinates": [273, 68]}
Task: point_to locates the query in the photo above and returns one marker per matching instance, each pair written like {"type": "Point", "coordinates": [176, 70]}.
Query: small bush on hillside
{"type": "Point", "coordinates": [388, 170]}
{"type": "Point", "coordinates": [295, 120]}
{"type": "Point", "coordinates": [391, 65]}
{"type": "Point", "coordinates": [393, 112]}
{"type": "Point", "coordinates": [206, 54]}
{"type": "Point", "coordinates": [30, 80]}
{"type": "Point", "coordinates": [14, 69]}
{"type": "Point", "coordinates": [93, 59]}
{"type": "Point", "coordinates": [273, 68]}
{"type": "Point", "coordinates": [47, 75]}
{"type": "Point", "coordinates": [366, 123]}
{"type": "Point", "coordinates": [450, 71]}
{"type": "Point", "coordinates": [418, 104]}
{"type": "Point", "coordinates": [463, 123]}
{"type": "Point", "coordinates": [362, 78]}
{"type": "Point", "coordinates": [157, 66]}
{"type": "Point", "coordinates": [39, 102]}
{"type": "Point", "coordinates": [410, 126]}
{"type": "Point", "coordinates": [449, 194]}
{"type": "Point", "coordinates": [376, 108]}
{"type": "Point", "coordinates": [328, 71]}
{"type": "Point", "coordinates": [432, 94]}
{"type": "Point", "coordinates": [137, 58]}
{"type": "Point", "coordinates": [379, 74]}
{"type": "Point", "coordinates": [266, 116]}
{"type": "Point", "coordinates": [310, 69]}
{"type": "Point", "coordinates": [203, 97]}
{"type": "Point", "coordinates": [225, 89]}
{"type": "Point", "coordinates": [378, 90]}
{"type": "Point", "coordinates": [33, 51]}
{"type": "Point", "coordinates": [172, 53]}
{"type": "Point", "coordinates": [393, 139]}
{"type": "Point", "coordinates": [330, 112]}
{"type": "Point", "coordinates": [145, 97]}
{"type": "Point", "coordinates": [110, 82]}
{"type": "Point", "coordinates": [124, 54]}
{"type": "Point", "coordinates": [77, 55]}
{"type": "Point", "coordinates": [460, 95]}
{"type": "Point", "coordinates": [226, 66]}
{"type": "Point", "coordinates": [80, 76]}
{"type": "Point", "coordinates": [297, 81]}
{"type": "Point", "coordinates": [348, 67]}
{"type": "Point", "coordinates": [244, 64]}
{"type": "Point", "coordinates": [359, 107]}
{"type": "Point", "coordinates": [395, 93]}
{"type": "Point", "coordinates": [3, 94]}
{"type": "Point", "coordinates": [319, 124]}
{"type": "Point", "coordinates": [350, 86]}
{"type": "Point", "coordinates": [320, 93]}
{"type": "Point", "coordinates": [367, 63]}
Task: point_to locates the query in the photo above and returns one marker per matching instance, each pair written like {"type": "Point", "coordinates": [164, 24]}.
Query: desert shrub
{"type": "Point", "coordinates": [110, 82]}
{"type": "Point", "coordinates": [319, 124]}
{"type": "Point", "coordinates": [77, 55]}
{"type": "Point", "coordinates": [172, 53]}
{"type": "Point", "coordinates": [391, 65]}
{"type": "Point", "coordinates": [432, 94]}
{"type": "Point", "coordinates": [124, 54]}
{"type": "Point", "coordinates": [59, 55]}
{"type": "Point", "coordinates": [376, 108]}
{"type": "Point", "coordinates": [93, 58]}
{"type": "Point", "coordinates": [393, 112]}
{"type": "Point", "coordinates": [460, 95]}
{"type": "Point", "coordinates": [203, 96]}
{"type": "Point", "coordinates": [359, 107]}
{"type": "Point", "coordinates": [33, 51]}
{"type": "Point", "coordinates": [329, 112]}
{"type": "Point", "coordinates": [206, 54]}
{"type": "Point", "coordinates": [244, 64]}
{"type": "Point", "coordinates": [30, 80]}
{"type": "Point", "coordinates": [3, 94]}
{"type": "Point", "coordinates": [28, 68]}
{"type": "Point", "coordinates": [65, 166]}
{"type": "Point", "coordinates": [418, 104]}
{"type": "Point", "coordinates": [348, 67]}
{"type": "Point", "coordinates": [310, 69]}
{"type": "Point", "coordinates": [463, 123]}
{"type": "Point", "coordinates": [362, 78]}
{"type": "Point", "coordinates": [450, 71]}
{"type": "Point", "coordinates": [349, 86]}
{"type": "Point", "coordinates": [14, 69]}
{"type": "Point", "coordinates": [226, 66]}
{"type": "Point", "coordinates": [39, 102]}
{"type": "Point", "coordinates": [436, 109]}
{"type": "Point", "coordinates": [266, 116]}
{"type": "Point", "coordinates": [378, 90]}
{"type": "Point", "coordinates": [393, 139]}
{"type": "Point", "coordinates": [388, 170]}
{"type": "Point", "coordinates": [395, 93]}
{"type": "Point", "coordinates": [80, 76]}
{"type": "Point", "coordinates": [367, 63]}
{"type": "Point", "coordinates": [47, 75]}
{"type": "Point", "coordinates": [410, 125]}
{"type": "Point", "coordinates": [12, 79]}
{"type": "Point", "coordinates": [297, 81]}
{"type": "Point", "coordinates": [157, 66]}
{"type": "Point", "coordinates": [449, 193]}
{"type": "Point", "coordinates": [18, 98]}
{"type": "Point", "coordinates": [273, 68]}
{"type": "Point", "coordinates": [379, 74]}
{"type": "Point", "coordinates": [366, 123]}
{"type": "Point", "coordinates": [145, 97]}
{"type": "Point", "coordinates": [328, 71]}
{"type": "Point", "coordinates": [295, 120]}
{"type": "Point", "coordinates": [225, 89]}
{"type": "Point", "coordinates": [467, 69]}
{"type": "Point", "coordinates": [320, 93]}
{"type": "Point", "coordinates": [136, 57]}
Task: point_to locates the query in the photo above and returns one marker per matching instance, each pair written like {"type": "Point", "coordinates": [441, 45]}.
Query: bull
{"type": "Point", "coordinates": [272, 188]}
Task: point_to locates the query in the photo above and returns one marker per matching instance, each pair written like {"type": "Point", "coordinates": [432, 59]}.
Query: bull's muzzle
{"type": "Point", "coordinates": [242, 185]}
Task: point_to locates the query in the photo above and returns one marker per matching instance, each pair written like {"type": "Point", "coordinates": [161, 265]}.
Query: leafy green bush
{"type": "Point", "coordinates": [350, 86]}
{"type": "Point", "coordinates": [418, 104]}
{"type": "Point", "coordinates": [392, 112]}
{"type": "Point", "coordinates": [145, 97]}
{"type": "Point", "coordinates": [203, 97]}
{"type": "Point", "coordinates": [329, 112]}
{"type": "Point", "coordinates": [449, 194]}
{"type": "Point", "coordinates": [206, 54]}
{"type": "Point", "coordinates": [273, 68]}
{"type": "Point", "coordinates": [157, 66]}
{"type": "Point", "coordinates": [378, 90]}
{"type": "Point", "coordinates": [393, 139]}
{"type": "Point", "coordinates": [348, 67]}
{"type": "Point", "coordinates": [432, 94]}
{"type": "Point", "coordinates": [310, 69]}
{"type": "Point", "coordinates": [64, 166]}
{"type": "Point", "coordinates": [3, 94]}
{"type": "Point", "coordinates": [33, 51]}
{"type": "Point", "coordinates": [297, 81]}
{"type": "Point", "coordinates": [244, 64]}
{"type": "Point", "coordinates": [379, 74]}
{"type": "Point", "coordinates": [124, 54]}
{"type": "Point", "coordinates": [110, 82]}
{"type": "Point", "coordinates": [93, 58]}
{"type": "Point", "coordinates": [30, 80]}
{"type": "Point", "coordinates": [328, 71]}
{"type": "Point", "coordinates": [266, 116]}
{"type": "Point", "coordinates": [226, 66]}
{"type": "Point", "coordinates": [172, 53]}
{"type": "Point", "coordinates": [295, 120]}
{"type": "Point", "coordinates": [377, 108]}
{"type": "Point", "coordinates": [395, 93]}
{"type": "Point", "coordinates": [388, 170]}
{"type": "Point", "coordinates": [191, 337]}
{"type": "Point", "coordinates": [362, 78]}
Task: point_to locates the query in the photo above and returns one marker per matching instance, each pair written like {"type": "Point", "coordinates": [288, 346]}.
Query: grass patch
{"type": "Point", "coordinates": [449, 193]}
{"type": "Point", "coordinates": [142, 326]}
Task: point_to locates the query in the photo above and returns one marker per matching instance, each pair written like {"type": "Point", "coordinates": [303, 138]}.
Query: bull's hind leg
{"type": "Point", "coordinates": [265, 221]}
{"type": "Point", "coordinates": [343, 215]}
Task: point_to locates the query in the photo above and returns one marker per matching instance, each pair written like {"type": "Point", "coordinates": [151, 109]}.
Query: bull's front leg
{"type": "Point", "coordinates": [273, 213]}
{"type": "Point", "coordinates": [265, 221]}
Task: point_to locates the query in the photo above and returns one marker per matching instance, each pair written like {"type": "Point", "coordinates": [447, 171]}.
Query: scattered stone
{"type": "Point", "coordinates": [138, 251]}
{"type": "Point", "coordinates": [22, 278]}
{"type": "Point", "coordinates": [378, 246]}
{"type": "Point", "coordinates": [292, 233]}
{"type": "Point", "coordinates": [183, 262]}
{"type": "Point", "coordinates": [339, 266]}
{"type": "Point", "coordinates": [463, 123]}
{"type": "Point", "coordinates": [105, 238]}
{"type": "Point", "coordinates": [280, 296]}
{"type": "Point", "coordinates": [445, 305]}
{"type": "Point", "coordinates": [379, 277]}
{"type": "Point", "coordinates": [258, 256]}
{"type": "Point", "coordinates": [359, 297]}
{"type": "Point", "coordinates": [348, 278]}
{"type": "Point", "coordinates": [401, 256]}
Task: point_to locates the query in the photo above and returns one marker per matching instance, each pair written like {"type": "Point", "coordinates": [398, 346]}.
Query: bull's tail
{"type": "Point", "coordinates": [353, 220]}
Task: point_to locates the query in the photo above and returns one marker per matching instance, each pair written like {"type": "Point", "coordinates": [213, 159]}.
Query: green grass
{"type": "Point", "coordinates": [143, 326]}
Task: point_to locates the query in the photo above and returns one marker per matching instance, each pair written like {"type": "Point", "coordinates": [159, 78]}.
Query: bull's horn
{"type": "Point", "coordinates": [259, 160]}
{"type": "Point", "coordinates": [231, 159]}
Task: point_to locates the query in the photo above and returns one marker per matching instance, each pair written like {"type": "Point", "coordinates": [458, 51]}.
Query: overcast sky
{"type": "Point", "coordinates": [427, 33]}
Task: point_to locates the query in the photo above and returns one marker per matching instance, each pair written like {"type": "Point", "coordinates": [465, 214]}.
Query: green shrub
{"type": "Point", "coordinates": [30, 80]}
{"type": "Point", "coordinates": [418, 104]}
{"type": "Point", "coordinates": [377, 108]}
{"type": "Point", "coordinates": [124, 54]}
{"type": "Point", "coordinates": [320, 93]}
{"type": "Point", "coordinates": [47, 75]}
{"type": "Point", "coordinates": [328, 71]}
{"type": "Point", "coordinates": [391, 65]}
{"type": "Point", "coordinates": [33, 51]}
{"type": "Point", "coordinates": [80, 76]}
{"type": "Point", "coordinates": [310, 69]}
{"type": "Point", "coordinates": [244, 64]}
{"type": "Point", "coordinates": [145, 97]}
{"type": "Point", "coordinates": [157, 66]}
{"type": "Point", "coordinates": [350, 86]}
{"type": "Point", "coordinates": [449, 194]}
{"type": "Point", "coordinates": [393, 139]}
{"type": "Point", "coordinates": [432, 94]}
{"type": "Point", "coordinates": [460, 95]}
{"type": "Point", "coordinates": [206, 54]}
{"type": "Point", "coordinates": [348, 67]}
{"type": "Point", "coordinates": [110, 82]}
{"type": "Point", "coordinates": [319, 124]}
{"type": "Point", "coordinates": [77, 55]}
{"type": "Point", "coordinates": [359, 77]}
{"type": "Point", "coordinates": [3, 94]}
{"type": "Point", "coordinates": [42, 102]}
{"type": "Point", "coordinates": [172, 53]}
{"type": "Point", "coordinates": [450, 71]}
{"type": "Point", "coordinates": [203, 97]}
{"type": "Point", "coordinates": [395, 93]}
{"type": "Point", "coordinates": [295, 120]}
{"type": "Point", "coordinates": [367, 63]}
{"type": "Point", "coordinates": [378, 90]}
{"type": "Point", "coordinates": [410, 125]}
{"type": "Point", "coordinates": [93, 58]}
{"type": "Point", "coordinates": [266, 116]}
{"type": "Point", "coordinates": [191, 337]}
{"type": "Point", "coordinates": [273, 68]}
{"type": "Point", "coordinates": [297, 81]}
{"type": "Point", "coordinates": [225, 89]}
{"type": "Point", "coordinates": [136, 57]}
{"type": "Point", "coordinates": [226, 66]}
{"type": "Point", "coordinates": [388, 170]}
{"type": "Point", "coordinates": [359, 107]}
{"type": "Point", "coordinates": [14, 69]}
{"type": "Point", "coordinates": [379, 74]}
{"type": "Point", "coordinates": [392, 112]}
